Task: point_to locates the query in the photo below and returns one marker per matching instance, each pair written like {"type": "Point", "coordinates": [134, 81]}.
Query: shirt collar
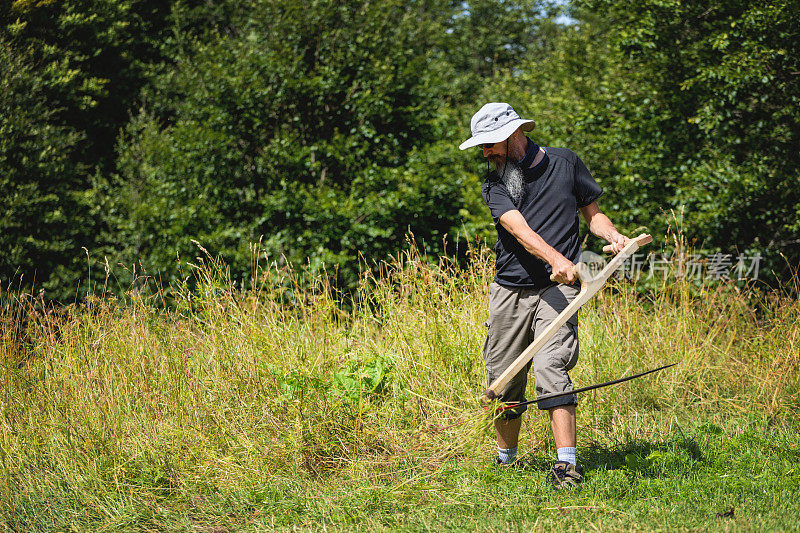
{"type": "Point", "coordinates": [530, 154]}
{"type": "Point", "coordinates": [532, 173]}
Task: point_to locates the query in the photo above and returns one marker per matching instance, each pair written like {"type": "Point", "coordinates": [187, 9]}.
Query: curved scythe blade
{"type": "Point", "coordinates": [584, 389]}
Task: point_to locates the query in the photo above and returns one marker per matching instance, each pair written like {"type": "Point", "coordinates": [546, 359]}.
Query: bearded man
{"type": "Point", "coordinates": [534, 195]}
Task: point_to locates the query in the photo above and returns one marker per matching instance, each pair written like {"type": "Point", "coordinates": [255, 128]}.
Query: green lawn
{"type": "Point", "coordinates": [688, 479]}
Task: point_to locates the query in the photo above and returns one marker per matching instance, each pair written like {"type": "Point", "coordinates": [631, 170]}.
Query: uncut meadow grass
{"type": "Point", "coordinates": [277, 406]}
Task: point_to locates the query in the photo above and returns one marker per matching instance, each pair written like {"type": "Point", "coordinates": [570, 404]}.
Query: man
{"type": "Point", "coordinates": [534, 195]}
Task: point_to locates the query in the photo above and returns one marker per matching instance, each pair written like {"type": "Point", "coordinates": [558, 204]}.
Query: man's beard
{"type": "Point", "coordinates": [514, 180]}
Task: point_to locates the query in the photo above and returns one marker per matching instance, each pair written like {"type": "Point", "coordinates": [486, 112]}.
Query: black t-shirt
{"type": "Point", "coordinates": [554, 190]}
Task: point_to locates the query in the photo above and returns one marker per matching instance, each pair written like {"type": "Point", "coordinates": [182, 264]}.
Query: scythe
{"type": "Point", "coordinates": [589, 287]}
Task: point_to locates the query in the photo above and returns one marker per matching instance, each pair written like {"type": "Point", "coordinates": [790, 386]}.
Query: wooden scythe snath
{"type": "Point", "coordinates": [589, 287]}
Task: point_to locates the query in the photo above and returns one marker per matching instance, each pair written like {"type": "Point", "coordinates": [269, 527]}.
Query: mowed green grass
{"type": "Point", "coordinates": [646, 484]}
{"type": "Point", "coordinates": [279, 408]}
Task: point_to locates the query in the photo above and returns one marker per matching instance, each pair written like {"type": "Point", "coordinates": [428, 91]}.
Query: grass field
{"type": "Point", "coordinates": [275, 408]}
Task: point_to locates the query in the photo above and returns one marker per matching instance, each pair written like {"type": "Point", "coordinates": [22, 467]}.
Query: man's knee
{"type": "Point", "coordinates": [552, 377]}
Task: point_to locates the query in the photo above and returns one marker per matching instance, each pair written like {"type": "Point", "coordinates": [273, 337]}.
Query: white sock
{"type": "Point", "coordinates": [507, 455]}
{"type": "Point", "coordinates": [570, 455]}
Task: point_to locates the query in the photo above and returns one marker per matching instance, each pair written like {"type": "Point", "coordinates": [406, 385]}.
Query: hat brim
{"type": "Point", "coordinates": [498, 135]}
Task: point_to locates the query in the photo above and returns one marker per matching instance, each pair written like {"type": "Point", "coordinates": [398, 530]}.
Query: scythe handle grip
{"type": "Point", "coordinates": [641, 240]}
{"type": "Point", "coordinates": [581, 271]}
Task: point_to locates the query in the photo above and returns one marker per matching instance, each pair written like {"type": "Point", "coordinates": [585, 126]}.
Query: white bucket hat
{"type": "Point", "coordinates": [494, 123]}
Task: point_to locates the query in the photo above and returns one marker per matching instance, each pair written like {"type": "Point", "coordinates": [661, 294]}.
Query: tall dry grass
{"type": "Point", "coordinates": [116, 409]}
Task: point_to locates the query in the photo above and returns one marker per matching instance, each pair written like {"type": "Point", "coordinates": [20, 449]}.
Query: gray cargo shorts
{"type": "Point", "coordinates": [516, 317]}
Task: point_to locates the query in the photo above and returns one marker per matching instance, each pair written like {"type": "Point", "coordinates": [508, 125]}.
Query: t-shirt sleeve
{"type": "Point", "coordinates": [497, 199]}
{"type": "Point", "coordinates": [586, 189]}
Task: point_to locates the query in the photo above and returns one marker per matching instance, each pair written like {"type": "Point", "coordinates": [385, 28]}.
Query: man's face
{"type": "Point", "coordinates": [510, 173]}
{"type": "Point", "coordinates": [496, 153]}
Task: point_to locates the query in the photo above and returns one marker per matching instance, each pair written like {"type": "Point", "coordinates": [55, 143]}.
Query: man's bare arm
{"type": "Point", "coordinates": [601, 225]}
{"type": "Point", "coordinates": [515, 223]}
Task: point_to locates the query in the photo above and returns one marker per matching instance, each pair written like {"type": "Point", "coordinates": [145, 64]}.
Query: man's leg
{"type": "Point", "coordinates": [551, 366]}
{"type": "Point", "coordinates": [508, 433]}
{"type": "Point", "coordinates": [562, 422]}
{"type": "Point", "coordinates": [510, 320]}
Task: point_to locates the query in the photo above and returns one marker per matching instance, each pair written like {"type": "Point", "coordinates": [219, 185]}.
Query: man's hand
{"type": "Point", "coordinates": [562, 270]}
{"type": "Point", "coordinates": [618, 242]}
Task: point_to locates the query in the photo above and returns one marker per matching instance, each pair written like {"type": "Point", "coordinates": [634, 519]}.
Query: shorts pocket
{"type": "Point", "coordinates": [571, 345]}
{"type": "Point", "coordinates": [485, 349]}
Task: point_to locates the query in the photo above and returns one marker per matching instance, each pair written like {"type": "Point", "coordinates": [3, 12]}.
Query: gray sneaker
{"type": "Point", "coordinates": [500, 464]}
{"type": "Point", "coordinates": [566, 476]}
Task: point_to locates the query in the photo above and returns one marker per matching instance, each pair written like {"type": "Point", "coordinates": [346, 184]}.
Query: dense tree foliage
{"type": "Point", "coordinates": [97, 53]}
{"type": "Point", "coordinates": [725, 86]}
{"type": "Point", "coordinates": [42, 183]}
{"type": "Point", "coordinates": [314, 127]}
{"type": "Point", "coordinates": [328, 130]}
{"type": "Point", "coordinates": [69, 72]}
{"type": "Point", "coordinates": [688, 107]}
